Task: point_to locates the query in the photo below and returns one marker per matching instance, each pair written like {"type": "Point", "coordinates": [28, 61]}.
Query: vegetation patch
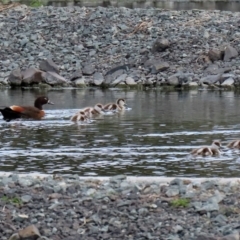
{"type": "Point", "coordinates": [13, 200]}
{"type": "Point", "coordinates": [180, 202]}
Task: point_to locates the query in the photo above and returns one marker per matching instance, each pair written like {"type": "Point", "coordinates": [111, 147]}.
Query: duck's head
{"type": "Point", "coordinates": [216, 144]}
{"type": "Point", "coordinates": [41, 101]}
{"type": "Point", "coordinates": [121, 102]}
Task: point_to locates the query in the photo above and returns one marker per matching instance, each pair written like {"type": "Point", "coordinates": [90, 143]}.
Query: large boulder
{"type": "Point", "coordinates": [15, 77]}
{"type": "Point", "coordinates": [31, 76]}
{"type": "Point", "coordinates": [53, 79]}
{"type": "Point", "coordinates": [47, 65]}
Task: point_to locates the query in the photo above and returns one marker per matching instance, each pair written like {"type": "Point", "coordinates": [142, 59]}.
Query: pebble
{"type": "Point", "coordinates": [103, 208]}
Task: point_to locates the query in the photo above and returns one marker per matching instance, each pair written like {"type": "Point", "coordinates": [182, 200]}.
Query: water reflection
{"type": "Point", "coordinates": [172, 5]}
{"type": "Point", "coordinates": [153, 138]}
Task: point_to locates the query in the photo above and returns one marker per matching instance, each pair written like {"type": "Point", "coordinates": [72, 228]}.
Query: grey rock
{"type": "Point", "coordinates": [206, 237]}
{"type": "Point", "coordinates": [130, 81]}
{"type": "Point", "coordinates": [53, 79]}
{"type": "Point", "coordinates": [228, 82]}
{"type": "Point", "coordinates": [77, 74]}
{"type": "Point", "coordinates": [172, 191]}
{"type": "Point", "coordinates": [47, 65]}
{"type": "Point", "coordinates": [159, 67]}
{"type": "Point", "coordinates": [88, 69]}
{"type": "Point", "coordinates": [15, 77]}
{"type": "Point", "coordinates": [229, 53]}
{"type": "Point", "coordinates": [91, 192]}
{"type": "Point", "coordinates": [173, 80]}
{"type": "Point", "coordinates": [118, 80]}
{"type": "Point", "coordinates": [232, 236]}
{"type": "Point", "coordinates": [25, 182]}
{"type": "Point", "coordinates": [211, 79]}
{"type": "Point", "coordinates": [98, 78]}
{"type": "Point", "coordinates": [160, 45]}
{"type": "Point", "coordinates": [176, 182]}
{"type": "Point", "coordinates": [26, 198]}
{"type": "Point", "coordinates": [80, 82]}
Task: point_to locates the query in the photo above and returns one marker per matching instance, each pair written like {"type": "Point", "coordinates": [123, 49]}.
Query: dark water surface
{"type": "Point", "coordinates": [172, 5]}
{"type": "Point", "coordinates": [153, 138]}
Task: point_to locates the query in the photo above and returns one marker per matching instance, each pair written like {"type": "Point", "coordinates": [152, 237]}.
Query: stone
{"type": "Point", "coordinates": [173, 80]}
{"type": "Point", "coordinates": [77, 74]}
{"type": "Point", "coordinates": [15, 77]}
{"type": "Point", "coordinates": [232, 236]}
{"type": "Point", "coordinates": [15, 236]}
{"type": "Point", "coordinates": [118, 80]}
{"type": "Point", "coordinates": [160, 67]}
{"type": "Point", "coordinates": [26, 198]}
{"type": "Point", "coordinates": [98, 78]}
{"type": "Point", "coordinates": [215, 54]}
{"type": "Point", "coordinates": [228, 82]}
{"type": "Point", "coordinates": [130, 81]}
{"type": "Point", "coordinates": [206, 237]}
{"type": "Point", "coordinates": [29, 232]}
{"type": "Point", "coordinates": [31, 76]}
{"type": "Point", "coordinates": [47, 65]}
{"type": "Point", "coordinates": [211, 79]}
{"type": "Point", "coordinates": [88, 69]}
{"type": "Point", "coordinates": [53, 79]}
{"type": "Point", "coordinates": [229, 53]}
{"type": "Point", "coordinates": [172, 191]}
{"type": "Point", "coordinates": [160, 45]}
{"type": "Point", "coordinates": [80, 82]}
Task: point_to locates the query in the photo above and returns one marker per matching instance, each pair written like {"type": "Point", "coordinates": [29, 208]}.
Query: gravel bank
{"type": "Point", "coordinates": [119, 47]}
{"type": "Point", "coordinates": [68, 207]}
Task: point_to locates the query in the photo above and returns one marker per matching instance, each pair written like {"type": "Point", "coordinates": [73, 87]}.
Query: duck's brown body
{"type": "Point", "coordinates": [118, 106]}
{"type": "Point", "coordinates": [212, 150]}
{"type": "Point", "coordinates": [33, 112]}
{"type": "Point", "coordinates": [234, 144]}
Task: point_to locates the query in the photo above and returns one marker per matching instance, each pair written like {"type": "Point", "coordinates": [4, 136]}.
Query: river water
{"type": "Point", "coordinates": [153, 137]}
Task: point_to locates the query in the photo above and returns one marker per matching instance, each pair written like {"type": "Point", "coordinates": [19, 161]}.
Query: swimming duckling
{"type": "Point", "coordinates": [93, 111]}
{"type": "Point", "coordinates": [234, 144]}
{"type": "Point", "coordinates": [120, 105]}
{"type": "Point", "coordinates": [80, 117]}
{"type": "Point", "coordinates": [212, 150]}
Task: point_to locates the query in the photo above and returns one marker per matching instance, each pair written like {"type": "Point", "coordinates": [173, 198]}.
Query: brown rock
{"type": "Point", "coordinates": [215, 54]}
{"type": "Point", "coordinates": [32, 75]}
{"type": "Point", "coordinates": [229, 53]}
{"type": "Point", "coordinates": [30, 232]}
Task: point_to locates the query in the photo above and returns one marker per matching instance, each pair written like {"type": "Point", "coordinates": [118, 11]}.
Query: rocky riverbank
{"type": "Point", "coordinates": [68, 207]}
{"type": "Point", "coordinates": [118, 47]}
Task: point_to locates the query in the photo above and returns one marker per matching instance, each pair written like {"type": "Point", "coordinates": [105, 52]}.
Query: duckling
{"type": "Point", "coordinates": [80, 117]}
{"type": "Point", "coordinates": [93, 111]}
{"type": "Point", "coordinates": [234, 144]}
{"type": "Point", "coordinates": [212, 150]}
{"type": "Point", "coordinates": [120, 105]}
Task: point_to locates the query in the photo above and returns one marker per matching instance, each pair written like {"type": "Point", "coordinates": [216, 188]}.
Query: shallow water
{"type": "Point", "coordinates": [152, 138]}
